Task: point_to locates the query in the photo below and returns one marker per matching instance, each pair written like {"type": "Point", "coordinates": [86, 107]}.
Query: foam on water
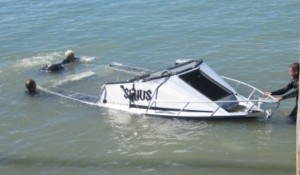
{"type": "Point", "coordinates": [40, 59]}
{"type": "Point", "coordinates": [88, 59]}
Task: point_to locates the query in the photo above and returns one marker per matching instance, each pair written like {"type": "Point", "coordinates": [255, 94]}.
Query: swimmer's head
{"type": "Point", "coordinates": [30, 85]}
{"type": "Point", "coordinates": [69, 54]}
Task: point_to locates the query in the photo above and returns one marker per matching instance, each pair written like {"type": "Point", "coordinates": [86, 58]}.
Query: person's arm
{"type": "Point", "coordinates": [65, 61]}
{"type": "Point", "coordinates": [290, 95]}
{"type": "Point", "coordinates": [283, 90]}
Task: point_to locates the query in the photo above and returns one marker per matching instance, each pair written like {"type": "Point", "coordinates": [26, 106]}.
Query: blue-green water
{"type": "Point", "coordinates": [253, 41]}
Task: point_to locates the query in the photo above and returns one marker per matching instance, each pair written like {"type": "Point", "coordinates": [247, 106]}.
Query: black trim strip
{"type": "Point", "coordinates": [212, 118]}
{"type": "Point", "coordinates": [165, 109]}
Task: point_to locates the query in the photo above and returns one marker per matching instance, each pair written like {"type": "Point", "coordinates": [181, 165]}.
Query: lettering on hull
{"type": "Point", "coordinates": [136, 94]}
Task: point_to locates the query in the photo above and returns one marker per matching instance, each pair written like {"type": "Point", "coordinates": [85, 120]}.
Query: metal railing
{"type": "Point", "coordinates": [253, 99]}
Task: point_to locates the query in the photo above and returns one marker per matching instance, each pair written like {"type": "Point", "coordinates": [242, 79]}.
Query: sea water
{"type": "Point", "coordinates": [252, 41]}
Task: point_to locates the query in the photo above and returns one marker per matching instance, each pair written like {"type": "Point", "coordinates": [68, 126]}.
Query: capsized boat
{"type": "Point", "coordinates": [190, 90]}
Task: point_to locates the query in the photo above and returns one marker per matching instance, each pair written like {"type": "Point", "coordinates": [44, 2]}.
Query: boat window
{"type": "Point", "coordinates": [205, 85]}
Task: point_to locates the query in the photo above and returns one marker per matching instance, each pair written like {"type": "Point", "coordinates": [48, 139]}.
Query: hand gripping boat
{"type": "Point", "coordinates": [187, 90]}
{"type": "Point", "coordinates": [190, 90]}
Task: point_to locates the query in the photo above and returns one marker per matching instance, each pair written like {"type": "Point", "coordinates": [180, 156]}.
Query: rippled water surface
{"type": "Point", "coordinates": [252, 41]}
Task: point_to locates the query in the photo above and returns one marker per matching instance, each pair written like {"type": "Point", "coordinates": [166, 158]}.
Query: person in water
{"type": "Point", "coordinates": [31, 87]}
{"type": "Point", "coordinates": [292, 85]}
{"type": "Point", "coordinates": [69, 58]}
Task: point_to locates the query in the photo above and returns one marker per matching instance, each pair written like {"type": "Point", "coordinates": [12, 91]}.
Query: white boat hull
{"type": "Point", "coordinates": [188, 90]}
{"type": "Point", "coordinates": [172, 95]}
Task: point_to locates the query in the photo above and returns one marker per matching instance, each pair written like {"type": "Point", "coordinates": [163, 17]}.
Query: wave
{"type": "Point", "coordinates": [40, 59]}
{"type": "Point", "coordinates": [88, 59]}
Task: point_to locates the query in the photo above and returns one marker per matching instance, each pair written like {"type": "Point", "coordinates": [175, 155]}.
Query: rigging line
{"type": "Point", "coordinates": [156, 91]}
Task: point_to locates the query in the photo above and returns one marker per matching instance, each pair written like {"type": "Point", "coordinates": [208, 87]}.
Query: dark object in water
{"type": "Point", "coordinates": [53, 67]}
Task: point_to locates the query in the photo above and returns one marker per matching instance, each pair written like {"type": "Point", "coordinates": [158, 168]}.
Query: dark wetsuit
{"type": "Point", "coordinates": [52, 67]}
{"type": "Point", "coordinates": [57, 67]}
{"type": "Point", "coordinates": [293, 84]}
{"type": "Point", "coordinates": [66, 61]}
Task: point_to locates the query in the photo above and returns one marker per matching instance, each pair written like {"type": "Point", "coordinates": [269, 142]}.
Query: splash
{"type": "Point", "coordinates": [88, 59]}
{"type": "Point", "coordinates": [40, 59]}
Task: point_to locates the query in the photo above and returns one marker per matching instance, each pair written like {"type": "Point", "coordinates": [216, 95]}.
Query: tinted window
{"type": "Point", "coordinates": [205, 85]}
